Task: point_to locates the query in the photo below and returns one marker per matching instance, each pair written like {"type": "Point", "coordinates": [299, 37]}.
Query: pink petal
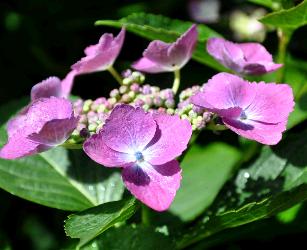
{"type": "Point", "coordinates": [247, 58]}
{"type": "Point", "coordinates": [265, 133]}
{"type": "Point", "coordinates": [55, 132]}
{"type": "Point", "coordinates": [167, 57]}
{"type": "Point", "coordinates": [17, 122]}
{"type": "Point", "coordinates": [155, 186]}
{"type": "Point", "coordinates": [49, 87]}
{"type": "Point", "coordinates": [171, 139]}
{"type": "Point", "coordinates": [181, 51]}
{"type": "Point", "coordinates": [67, 83]}
{"type": "Point", "coordinates": [101, 56]}
{"type": "Point", "coordinates": [225, 91]}
{"type": "Point", "coordinates": [128, 129]}
{"type": "Point", "coordinates": [47, 109]}
{"type": "Point", "coordinates": [226, 53]}
{"type": "Point", "coordinates": [18, 147]}
{"type": "Point", "coordinates": [98, 151]}
{"type": "Point", "coordinates": [272, 103]}
{"type": "Point", "coordinates": [148, 66]}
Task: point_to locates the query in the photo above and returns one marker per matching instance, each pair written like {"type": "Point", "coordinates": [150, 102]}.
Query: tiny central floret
{"type": "Point", "coordinates": [139, 156]}
{"type": "Point", "coordinates": [243, 116]}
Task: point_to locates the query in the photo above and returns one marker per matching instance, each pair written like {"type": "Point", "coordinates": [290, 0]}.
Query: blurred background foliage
{"type": "Point", "coordinates": [41, 38]}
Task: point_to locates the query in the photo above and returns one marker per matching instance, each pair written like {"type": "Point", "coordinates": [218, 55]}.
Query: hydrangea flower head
{"type": "Point", "coordinates": [101, 56]}
{"type": "Point", "coordinates": [145, 146]}
{"type": "Point", "coordinates": [45, 123]}
{"type": "Point", "coordinates": [257, 111]}
{"type": "Point", "coordinates": [243, 58]}
{"type": "Point", "coordinates": [167, 57]}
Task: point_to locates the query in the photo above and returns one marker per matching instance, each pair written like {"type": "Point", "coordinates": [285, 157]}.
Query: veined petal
{"type": "Point", "coordinates": [170, 140]}
{"type": "Point", "coordinates": [265, 133]}
{"type": "Point", "coordinates": [272, 103]}
{"type": "Point", "coordinates": [99, 152]}
{"type": "Point", "coordinates": [225, 91]}
{"type": "Point", "coordinates": [128, 129]}
{"type": "Point", "coordinates": [155, 186]}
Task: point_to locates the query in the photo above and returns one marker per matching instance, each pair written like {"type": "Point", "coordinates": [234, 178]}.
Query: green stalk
{"type": "Point", "coordinates": [115, 74]}
{"type": "Point", "coordinates": [176, 83]}
{"type": "Point", "coordinates": [145, 213]}
{"type": "Point", "coordinates": [283, 41]}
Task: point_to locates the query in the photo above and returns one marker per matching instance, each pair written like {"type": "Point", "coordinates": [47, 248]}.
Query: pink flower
{"type": "Point", "coordinates": [45, 123]}
{"type": "Point", "coordinates": [101, 56]}
{"type": "Point", "coordinates": [244, 58]}
{"type": "Point", "coordinates": [168, 57]}
{"type": "Point", "coordinates": [145, 146]}
{"type": "Point", "coordinates": [257, 111]}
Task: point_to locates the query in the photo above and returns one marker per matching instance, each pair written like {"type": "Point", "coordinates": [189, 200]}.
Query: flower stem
{"type": "Point", "coordinates": [145, 215]}
{"type": "Point", "coordinates": [283, 41]}
{"type": "Point", "coordinates": [115, 74]}
{"type": "Point", "coordinates": [176, 83]}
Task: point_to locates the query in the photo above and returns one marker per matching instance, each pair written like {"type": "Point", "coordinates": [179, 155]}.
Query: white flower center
{"type": "Point", "coordinates": [139, 156]}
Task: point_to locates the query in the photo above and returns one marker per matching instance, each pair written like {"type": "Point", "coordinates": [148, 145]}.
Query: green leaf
{"type": "Point", "coordinates": [60, 179]}
{"type": "Point", "coordinates": [157, 27]}
{"type": "Point", "coordinates": [88, 224]}
{"type": "Point", "coordinates": [290, 214]}
{"type": "Point", "coordinates": [131, 238]}
{"type": "Point", "coordinates": [292, 18]}
{"type": "Point", "coordinates": [265, 3]}
{"type": "Point", "coordinates": [276, 181]}
{"type": "Point", "coordinates": [251, 212]}
{"type": "Point", "coordinates": [203, 171]}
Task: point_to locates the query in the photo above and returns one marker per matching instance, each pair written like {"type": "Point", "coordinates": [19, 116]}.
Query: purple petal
{"type": "Point", "coordinates": [148, 66]}
{"type": "Point", "coordinates": [226, 53]}
{"type": "Point", "coordinates": [47, 109]}
{"type": "Point", "coordinates": [266, 133]}
{"type": "Point", "coordinates": [67, 83]}
{"type": "Point", "coordinates": [98, 151]}
{"type": "Point", "coordinates": [128, 129]}
{"type": "Point", "coordinates": [101, 56]}
{"type": "Point", "coordinates": [225, 91]}
{"type": "Point", "coordinates": [55, 132]}
{"type": "Point", "coordinates": [44, 123]}
{"type": "Point", "coordinates": [49, 87]}
{"type": "Point", "coordinates": [167, 57]}
{"type": "Point", "coordinates": [258, 59]}
{"type": "Point", "coordinates": [170, 140]}
{"type": "Point", "coordinates": [17, 147]}
{"type": "Point", "coordinates": [17, 122]}
{"type": "Point", "coordinates": [155, 186]}
{"type": "Point", "coordinates": [246, 58]}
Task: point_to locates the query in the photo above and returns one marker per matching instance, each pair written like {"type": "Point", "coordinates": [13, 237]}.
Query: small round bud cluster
{"type": "Point", "coordinates": [198, 117]}
{"type": "Point", "coordinates": [131, 77]}
{"type": "Point", "coordinates": [150, 98]}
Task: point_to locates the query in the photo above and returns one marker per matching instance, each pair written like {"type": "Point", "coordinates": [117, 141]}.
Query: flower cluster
{"type": "Point", "coordinates": [142, 128]}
